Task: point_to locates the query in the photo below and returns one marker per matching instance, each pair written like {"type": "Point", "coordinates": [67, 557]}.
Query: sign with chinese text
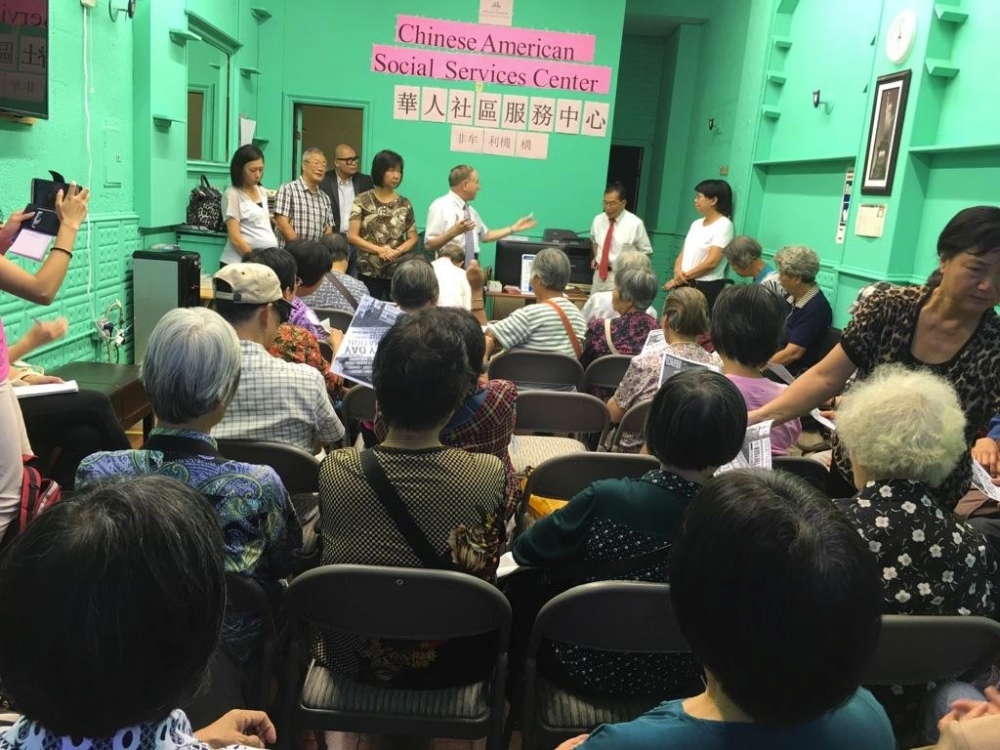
{"type": "Point", "coordinates": [24, 57]}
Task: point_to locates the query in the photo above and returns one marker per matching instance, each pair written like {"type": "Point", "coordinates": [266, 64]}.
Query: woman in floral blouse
{"type": "Point", "coordinates": [382, 226]}
{"type": "Point", "coordinates": [634, 292]}
{"type": "Point", "coordinates": [904, 430]}
{"type": "Point", "coordinates": [685, 318]}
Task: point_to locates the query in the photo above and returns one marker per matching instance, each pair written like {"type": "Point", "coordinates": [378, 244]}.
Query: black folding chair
{"type": "Point", "coordinates": [394, 603]}
{"type": "Point", "coordinates": [533, 370]}
{"type": "Point", "coordinates": [617, 616]}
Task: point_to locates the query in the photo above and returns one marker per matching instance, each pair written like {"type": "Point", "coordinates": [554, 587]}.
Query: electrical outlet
{"type": "Point", "coordinates": [88, 3]}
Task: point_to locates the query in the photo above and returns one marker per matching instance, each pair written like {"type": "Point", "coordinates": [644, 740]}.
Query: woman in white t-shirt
{"type": "Point", "coordinates": [701, 263]}
{"type": "Point", "coordinates": [244, 207]}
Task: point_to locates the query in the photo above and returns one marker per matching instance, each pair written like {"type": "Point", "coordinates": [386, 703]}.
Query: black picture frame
{"type": "Point", "coordinates": [884, 131]}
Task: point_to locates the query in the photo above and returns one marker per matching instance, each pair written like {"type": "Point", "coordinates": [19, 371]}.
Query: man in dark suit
{"type": "Point", "coordinates": [343, 183]}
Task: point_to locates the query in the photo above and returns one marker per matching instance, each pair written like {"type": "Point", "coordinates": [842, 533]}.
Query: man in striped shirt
{"type": "Point", "coordinates": [541, 326]}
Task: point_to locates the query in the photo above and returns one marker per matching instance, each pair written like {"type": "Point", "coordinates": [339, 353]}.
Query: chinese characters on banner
{"type": "Point", "coordinates": [24, 57]}
{"type": "Point", "coordinates": [500, 124]}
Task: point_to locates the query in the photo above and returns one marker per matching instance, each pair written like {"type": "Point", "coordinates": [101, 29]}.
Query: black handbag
{"type": "Point", "coordinates": [205, 207]}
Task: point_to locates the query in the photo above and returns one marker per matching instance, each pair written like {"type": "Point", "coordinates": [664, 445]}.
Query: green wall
{"type": "Point", "coordinates": [562, 191]}
{"type": "Point", "coordinates": [60, 143]}
{"type": "Point", "coordinates": [949, 153]}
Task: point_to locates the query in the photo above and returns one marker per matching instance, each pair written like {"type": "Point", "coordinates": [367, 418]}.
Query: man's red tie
{"type": "Point", "coordinates": [606, 251]}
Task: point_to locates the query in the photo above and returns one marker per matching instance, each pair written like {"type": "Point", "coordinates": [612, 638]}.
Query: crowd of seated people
{"type": "Point", "coordinates": [906, 440]}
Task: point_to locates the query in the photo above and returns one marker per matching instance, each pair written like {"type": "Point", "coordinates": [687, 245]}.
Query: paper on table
{"type": "Point", "coordinates": [30, 244]}
{"type": "Point", "coordinates": [756, 450]}
{"type": "Point", "coordinates": [983, 482]}
{"type": "Point", "coordinates": [45, 389]}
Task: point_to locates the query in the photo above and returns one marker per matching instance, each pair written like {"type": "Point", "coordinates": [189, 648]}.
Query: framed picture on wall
{"type": "Point", "coordinates": [884, 132]}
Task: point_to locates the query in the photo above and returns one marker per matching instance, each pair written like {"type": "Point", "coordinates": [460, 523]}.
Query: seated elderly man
{"type": "Point", "coordinates": [553, 324]}
{"type": "Point", "coordinates": [599, 305]}
{"type": "Point", "coordinates": [905, 433]}
{"type": "Point", "coordinates": [414, 285]}
{"type": "Point", "coordinates": [283, 402]}
{"type": "Point", "coordinates": [811, 316]}
{"type": "Point", "coordinates": [744, 257]}
{"type": "Point", "coordinates": [190, 372]}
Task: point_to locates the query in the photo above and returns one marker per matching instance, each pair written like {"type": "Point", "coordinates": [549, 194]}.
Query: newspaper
{"type": "Point", "coordinates": [756, 450]}
{"type": "Point", "coordinates": [356, 355]}
{"type": "Point", "coordinates": [782, 372]}
{"type": "Point", "coordinates": [983, 482]}
{"type": "Point", "coordinates": [655, 342]}
{"type": "Point", "coordinates": [827, 423]}
{"type": "Point", "coordinates": [673, 364]}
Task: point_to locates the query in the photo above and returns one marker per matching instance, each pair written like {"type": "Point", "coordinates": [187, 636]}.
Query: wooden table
{"type": "Point", "coordinates": [504, 303]}
{"type": "Point", "coordinates": [120, 383]}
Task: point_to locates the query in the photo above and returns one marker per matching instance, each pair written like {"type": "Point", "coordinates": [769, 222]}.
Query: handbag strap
{"type": "Point", "coordinates": [569, 328]}
{"type": "Point", "coordinates": [205, 183]}
{"type": "Point", "coordinates": [399, 514]}
{"type": "Point", "coordinates": [342, 288]}
{"type": "Point", "coordinates": [607, 336]}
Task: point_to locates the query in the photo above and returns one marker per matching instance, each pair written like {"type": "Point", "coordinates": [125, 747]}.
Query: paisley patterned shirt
{"type": "Point", "coordinates": [262, 533]}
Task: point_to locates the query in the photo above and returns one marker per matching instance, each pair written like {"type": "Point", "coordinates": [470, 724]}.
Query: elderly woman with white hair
{"type": "Point", "coordinates": [811, 314]}
{"type": "Point", "coordinates": [599, 304]}
{"type": "Point", "coordinates": [634, 289]}
{"type": "Point", "coordinates": [190, 372]}
{"type": "Point", "coordinates": [553, 324]}
{"type": "Point", "coordinates": [905, 432]}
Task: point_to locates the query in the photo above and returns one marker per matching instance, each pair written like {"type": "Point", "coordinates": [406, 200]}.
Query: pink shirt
{"type": "Point", "coordinates": [759, 391]}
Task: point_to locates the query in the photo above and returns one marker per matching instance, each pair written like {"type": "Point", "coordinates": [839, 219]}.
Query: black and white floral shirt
{"type": "Point", "coordinates": [931, 563]}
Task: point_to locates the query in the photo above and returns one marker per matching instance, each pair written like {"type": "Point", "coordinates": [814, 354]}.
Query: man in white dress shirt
{"type": "Point", "coordinates": [450, 217]}
{"type": "Point", "coordinates": [614, 231]}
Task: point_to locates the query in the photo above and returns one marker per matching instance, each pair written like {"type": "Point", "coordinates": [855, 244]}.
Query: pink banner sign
{"type": "Point", "coordinates": [488, 39]}
{"type": "Point", "coordinates": [503, 71]}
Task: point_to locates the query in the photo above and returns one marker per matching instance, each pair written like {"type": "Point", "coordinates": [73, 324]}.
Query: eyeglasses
{"type": "Point", "coordinates": [348, 159]}
{"type": "Point", "coordinates": [313, 163]}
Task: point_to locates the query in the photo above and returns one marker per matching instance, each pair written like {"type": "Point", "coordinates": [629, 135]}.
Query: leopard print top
{"type": "Point", "coordinates": [882, 332]}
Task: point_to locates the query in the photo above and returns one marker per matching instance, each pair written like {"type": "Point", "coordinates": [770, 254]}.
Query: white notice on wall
{"type": "Point", "coordinates": [247, 129]}
{"type": "Point", "coordinates": [434, 104]}
{"type": "Point", "coordinates": [496, 12]}
{"type": "Point", "coordinates": [595, 119]}
{"type": "Point", "coordinates": [871, 220]}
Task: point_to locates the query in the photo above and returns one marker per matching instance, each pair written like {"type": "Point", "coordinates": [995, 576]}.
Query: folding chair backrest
{"type": "Point", "coordinates": [339, 319]}
{"type": "Point", "coordinates": [407, 603]}
{"type": "Point", "coordinates": [606, 372]}
{"type": "Point", "coordinates": [633, 421]}
{"type": "Point", "coordinates": [622, 616]}
{"type": "Point", "coordinates": [297, 469]}
{"type": "Point", "coordinates": [914, 650]}
{"type": "Point", "coordinates": [531, 370]}
{"type": "Point", "coordinates": [563, 477]}
{"type": "Point", "coordinates": [245, 596]}
{"type": "Point", "coordinates": [812, 471]}
{"type": "Point", "coordinates": [359, 403]}
{"type": "Point", "coordinates": [560, 413]}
